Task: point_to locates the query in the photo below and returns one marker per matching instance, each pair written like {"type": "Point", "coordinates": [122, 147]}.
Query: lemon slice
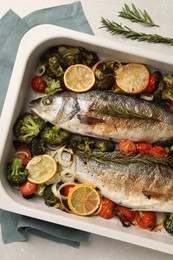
{"type": "Point", "coordinates": [133, 79]}
{"type": "Point", "coordinates": [79, 78]}
{"type": "Point", "coordinates": [83, 199]}
{"type": "Point", "coordinates": [42, 168]}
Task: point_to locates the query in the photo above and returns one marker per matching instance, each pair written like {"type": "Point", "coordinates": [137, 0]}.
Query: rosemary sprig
{"type": "Point", "coordinates": [115, 28]}
{"type": "Point", "coordinates": [136, 15]}
{"type": "Point", "coordinates": [126, 113]}
{"type": "Point", "coordinates": [118, 158]}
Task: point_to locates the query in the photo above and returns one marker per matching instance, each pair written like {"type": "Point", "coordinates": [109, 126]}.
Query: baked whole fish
{"type": "Point", "coordinates": [102, 114]}
{"type": "Point", "coordinates": [137, 186]}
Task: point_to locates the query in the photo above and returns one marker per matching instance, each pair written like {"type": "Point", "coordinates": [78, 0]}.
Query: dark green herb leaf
{"type": "Point", "coordinates": [136, 15]}
{"type": "Point", "coordinates": [115, 28]}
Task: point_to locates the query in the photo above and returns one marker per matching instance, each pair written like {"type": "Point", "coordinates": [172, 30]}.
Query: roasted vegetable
{"type": "Point", "coordinates": [54, 135]}
{"type": "Point", "coordinates": [16, 172]}
{"type": "Point", "coordinates": [53, 85]}
{"type": "Point", "coordinates": [167, 94]}
{"type": "Point", "coordinates": [104, 145]}
{"type": "Point", "coordinates": [40, 190]}
{"type": "Point", "coordinates": [168, 223]}
{"type": "Point", "coordinates": [85, 144]}
{"type": "Point", "coordinates": [49, 198]}
{"type": "Point", "coordinates": [27, 127]}
{"type": "Point", "coordinates": [79, 143]}
{"type": "Point", "coordinates": [38, 146]}
{"type": "Point", "coordinates": [104, 75]}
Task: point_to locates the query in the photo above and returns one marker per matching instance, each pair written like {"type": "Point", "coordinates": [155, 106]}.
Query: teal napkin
{"type": "Point", "coordinates": [12, 28]}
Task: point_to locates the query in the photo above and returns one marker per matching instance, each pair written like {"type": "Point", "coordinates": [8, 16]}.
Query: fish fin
{"type": "Point", "coordinates": [89, 120]}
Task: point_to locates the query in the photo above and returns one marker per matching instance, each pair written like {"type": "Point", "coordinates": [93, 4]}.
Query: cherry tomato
{"type": "Point", "coordinates": [38, 84]}
{"type": "Point", "coordinates": [151, 85]}
{"type": "Point", "coordinates": [145, 219]}
{"type": "Point", "coordinates": [127, 147]}
{"type": "Point", "coordinates": [171, 106]}
{"type": "Point", "coordinates": [28, 188]}
{"type": "Point", "coordinates": [129, 214]}
{"type": "Point", "coordinates": [107, 208]}
{"type": "Point", "coordinates": [24, 154]}
{"type": "Point", "coordinates": [144, 148]}
{"type": "Point", "coordinates": [158, 151]}
{"type": "Point", "coordinates": [67, 189]}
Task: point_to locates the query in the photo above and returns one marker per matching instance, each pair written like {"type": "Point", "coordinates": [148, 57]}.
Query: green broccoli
{"type": "Point", "coordinates": [37, 147]}
{"type": "Point", "coordinates": [54, 66]}
{"type": "Point", "coordinates": [89, 58]}
{"type": "Point", "coordinates": [40, 190]}
{"type": "Point", "coordinates": [104, 145]}
{"type": "Point", "coordinates": [53, 87]}
{"type": "Point", "coordinates": [167, 94]}
{"type": "Point", "coordinates": [16, 172]}
{"type": "Point", "coordinates": [49, 197]}
{"type": "Point", "coordinates": [104, 77]}
{"type": "Point", "coordinates": [168, 223]}
{"type": "Point", "coordinates": [27, 127]}
{"type": "Point", "coordinates": [79, 143]}
{"type": "Point", "coordinates": [54, 135]}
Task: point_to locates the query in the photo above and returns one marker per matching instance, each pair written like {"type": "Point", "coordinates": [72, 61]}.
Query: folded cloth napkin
{"type": "Point", "coordinates": [12, 28]}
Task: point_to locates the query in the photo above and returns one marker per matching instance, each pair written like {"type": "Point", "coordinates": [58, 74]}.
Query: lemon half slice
{"type": "Point", "coordinates": [84, 199]}
{"type": "Point", "coordinates": [133, 79]}
{"type": "Point", "coordinates": [42, 168]}
{"type": "Point", "coordinates": [79, 78]}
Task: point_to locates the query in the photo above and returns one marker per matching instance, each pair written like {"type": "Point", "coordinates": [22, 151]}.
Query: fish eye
{"type": "Point", "coordinates": [47, 101]}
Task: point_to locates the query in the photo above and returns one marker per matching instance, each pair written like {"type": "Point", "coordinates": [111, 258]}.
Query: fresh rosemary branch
{"type": "Point", "coordinates": [118, 158]}
{"type": "Point", "coordinates": [136, 15]}
{"type": "Point", "coordinates": [115, 28]}
{"type": "Point", "coordinates": [126, 113]}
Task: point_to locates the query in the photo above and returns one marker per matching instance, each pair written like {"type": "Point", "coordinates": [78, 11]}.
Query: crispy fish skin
{"type": "Point", "coordinates": [137, 186]}
{"type": "Point", "coordinates": [106, 115]}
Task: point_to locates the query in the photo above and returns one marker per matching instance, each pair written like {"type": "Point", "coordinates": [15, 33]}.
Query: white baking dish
{"type": "Point", "coordinates": [33, 44]}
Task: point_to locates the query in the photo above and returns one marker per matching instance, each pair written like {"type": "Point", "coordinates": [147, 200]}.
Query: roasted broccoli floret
{"type": "Point", "coordinates": [167, 94]}
{"type": "Point", "coordinates": [38, 146]}
{"type": "Point", "coordinates": [168, 223]}
{"type": "Point", "coordinates": [53, 86]}
{"type": "Point", "coordinates": [27, 127]}
{"type": "Point", "coordinates": [40, 190]}
{"type": "Point", "coordinates": [49, 197]}
{"type": "Point", "coordinates": [104, 77]}
{"type": "Point", "coordinates": [89, 58]}
{"type": "Point", "coordinates": [54, 135]}
{"type": "Point", "coordinates": [16, 172]}
{"type": "Point", "coordinates": [104, 145]}
{"type": "Point", "coordinates": [80, 143]}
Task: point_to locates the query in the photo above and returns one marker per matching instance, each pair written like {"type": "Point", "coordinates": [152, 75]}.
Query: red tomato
{"type": "Point", "coordinates": [24, 154]}
{"type": "Point", "coordinates": [146, 219]}
{"type": "Point", "coordinates": [129, 214]}
{"type": "Point", "coordinates": [127, 147]}
{"type": "Point", "coordinates": [144, 148]}
{"type": "Point", "coordinates": [171, 106]}
{"type": "Point", "coordinates": [38, 84]}
{"type": "Point", "coordinates": [28, 188]}
{"type": "Point", "coordinates": [151, 85]}
{"type": "Point", "coordinates": [107, 208]}
{"type": "Point", "coordinates": [158, 151]}
{"type": "Point", "coordinates": [67, 189]}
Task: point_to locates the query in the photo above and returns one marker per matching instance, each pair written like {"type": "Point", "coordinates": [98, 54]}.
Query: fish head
{"type": "Point", "coordinates": [56, 109]}
{"type": "Point", "coordinates": [48, 107]}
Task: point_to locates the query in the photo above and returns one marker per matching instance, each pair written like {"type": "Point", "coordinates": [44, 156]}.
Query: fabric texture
{"type": "Point", "coordinates": [12, 28]}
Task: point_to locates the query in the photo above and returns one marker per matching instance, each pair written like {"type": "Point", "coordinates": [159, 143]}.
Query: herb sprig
{"type": "Point", "coordinates": [115, 28]}
{"type": "Point", "coordinates": [136, 15]}
{"type": "Point", "coordinates": [118, 158]}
